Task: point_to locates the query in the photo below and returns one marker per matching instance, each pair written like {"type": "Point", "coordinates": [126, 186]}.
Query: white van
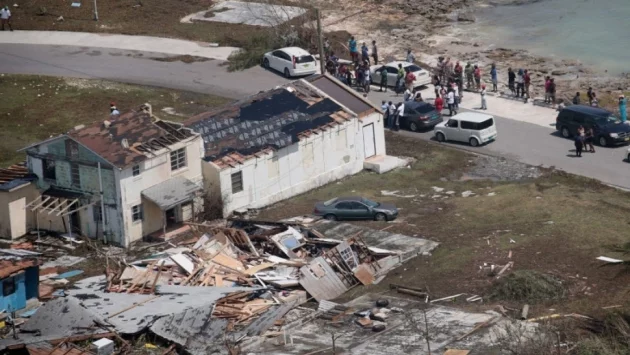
{"type": "Point", "coordinates": [471, 127]}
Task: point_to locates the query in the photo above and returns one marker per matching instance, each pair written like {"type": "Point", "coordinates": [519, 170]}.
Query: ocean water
{"type": "Point", "coordinates": [595, 32]}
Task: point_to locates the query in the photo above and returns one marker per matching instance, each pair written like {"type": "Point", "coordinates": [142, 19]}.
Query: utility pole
{"type": "Point", "coordinates": [95, 12]}
{"type": "Point", "coordinates": [319, 40]}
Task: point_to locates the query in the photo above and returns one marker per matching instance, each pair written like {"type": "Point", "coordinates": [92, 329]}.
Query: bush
{"type": "Point", "coordinates": [251, 53]}
{"type": "Point", "coordinates": [528, 286]}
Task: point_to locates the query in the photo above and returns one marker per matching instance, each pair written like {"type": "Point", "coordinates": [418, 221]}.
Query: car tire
{"type": "Point", "coordinates": [413, 127]}
{"type": "Point", "coordinates": [603, 141]}
{"type": "Point", "coordinates": [381, 217]}
{"type": "Point", "coordinates": [565, 132]}
{"type": "Point", "coordinates": [266, 63]}
{"type": "Point", "coordinates": [287, 73]}
{"type": "Point", "coordinates": [474, 142]}
{"type": "Point", "coordinates": [330, 217]}
{"type": "Point", "coordinates": [628, 158]}
{"type": "Point", "coordinates": [440, 137]}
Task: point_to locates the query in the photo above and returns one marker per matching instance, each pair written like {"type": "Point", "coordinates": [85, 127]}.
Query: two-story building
{"type": "Point", "coordinates": [120, 179]}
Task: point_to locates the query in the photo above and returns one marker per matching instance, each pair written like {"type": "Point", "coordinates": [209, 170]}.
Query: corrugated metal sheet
{"type": "Point", "coordinates": [328, 287]}
{"type": "Point", "coordinates": [171, 192]}
{"type": "Point", "coordinates": [340, 93]}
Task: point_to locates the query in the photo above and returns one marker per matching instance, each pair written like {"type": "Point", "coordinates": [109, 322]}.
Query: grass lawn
{"type": "Point", "coordinates": [558, 224]}
{"type": "Point", "coordinates": [38, 107]}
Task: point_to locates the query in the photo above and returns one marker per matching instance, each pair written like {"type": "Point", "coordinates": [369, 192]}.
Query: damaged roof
{"type": "Point", "coordinates": [270, 120]}
{"type": "Point", "coordinates": [130, 138]}
{"type": "Point", "coordinates": [14, 176]}
{"type": "Point", "coordinates": [10, 266]}
{"type": "Point", "coordinates": [171, 192]}
{"type": "Point", "coordinates": [347, 97]}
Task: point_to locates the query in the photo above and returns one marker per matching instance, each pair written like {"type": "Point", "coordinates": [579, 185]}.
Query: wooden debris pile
{"type": "Point", "coordinates": [241, 308]}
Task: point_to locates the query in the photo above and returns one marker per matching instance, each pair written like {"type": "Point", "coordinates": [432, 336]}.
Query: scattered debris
{"type": "Point", "coordinates": [437, 189]}
{"type": "Point", "coordinates": [467, 193]}
{"type": "Point", "coordinates": [449, 298]}
{"type": "Point", "coordinates": [609, 260]}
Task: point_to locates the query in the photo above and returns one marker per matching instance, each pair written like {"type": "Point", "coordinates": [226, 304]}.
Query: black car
{"type": "Point", "coordinates": [420, 115]}
{"type": "Point", "coordinates": [608, 129]}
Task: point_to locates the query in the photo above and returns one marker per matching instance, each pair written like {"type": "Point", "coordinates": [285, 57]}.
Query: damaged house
{"type": "Point", "coordinates": [286, 141]}
{"type": "Point", "coordinates": [16, 188]}
{"type": "Point", "coordinates": [119, 180]}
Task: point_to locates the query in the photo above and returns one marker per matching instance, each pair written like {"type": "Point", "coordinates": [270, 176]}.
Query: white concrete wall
{"type": "Point", "coordinates": [310, 163]}
{"type": "Point", "coordinates": [152, 172]}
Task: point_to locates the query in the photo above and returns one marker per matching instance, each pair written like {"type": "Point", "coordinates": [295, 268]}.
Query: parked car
{"type": "Point", "coordinates": [355, 208]}
{"type": "Point", "coordinates": [608, 129]}
{"type": "Point", "coordinates": [291, 61]}
{"type": "Point", "coordinates": [471, 127]}
{"type": "Point", "coordinates": [420, 115]}
{"type": "Point", "coordinates": [422, 76]}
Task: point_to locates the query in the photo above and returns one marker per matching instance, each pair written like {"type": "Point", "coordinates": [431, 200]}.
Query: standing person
{"type": "Point", "coordinates": [576, 98]}
{"type": "Point", "coordinates": [418, 96]}
{"type": "Point", "coordinates": [552, 91]}
{"type": "Point", "coordinates": [5, 17]}
{"type": "Point", "coordinates": [407, 95]}
{"type": "Point", "coordinates": [352, 46]}
{"type": "Point", "coordinates": [484, 105]}
{"type": "Point", "coordinates": [520, 83]}
{"type": "Point", "coordinates": [349, 77]}
{"type": "Point", "coordinates": [477, 74]}
{"type": "Point", "coordinates": [622, 108]}
{"type": "Point", "coordinates": [511, 80]}
{"type": "Point", "coordinates": [450, 99]}
{"type": "Point", "coordinates": [437, 84]}
{"type": "Point", "coordinates": [547, 83]}
{"type": "Point", "coordinates": [588, 141]}
{"type": "Point", "coordinates": [495, 79]}
{"type": "Point", "coordinates": [439, 102]}
{"type": "Point", "coordinates": [326, 46]}
{"type": "Point", "coordinates": [581, 130]}
{"type": "Point", "coordinates": [392, 115]}
{"type": "Point", "coordinates": [468, 70]}
{"type": "Point", "coordinates": [383, 80]}
{"type": "Point", "coordinates": [528, 81]}
{"type": "Point", "coordinates": [590, 95]}
{"type": "Point", "coordinates": [409, 79]}
{"type": "Point", "coordinates": [365, 56]}
{"type": "Point", "coordinates": [458, 75]}
{"type": "Point", "coordinates": [374, 52]}
{"type": "Point", "coordinates": [400, 76]}
{"type": "Point", "coordinates": [579, 144]}
{"type": "Point", "coordinates": [385, 108]}
{"type": "Point", "coordinates": [400, 112]}
{"type": "Point", "coordinates": [448, 66]}
{"type": "Point", "coordinates": [594, 101]}
{"type": "Point", "coordinates": [410, 57]}
{"type": "Point", "coordinates": [456, 92]}
{"type": "Point", "coordinates": [367, 78]}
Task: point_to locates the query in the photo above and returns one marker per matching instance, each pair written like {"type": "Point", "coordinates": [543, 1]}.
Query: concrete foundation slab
{"type": "Point", "coordinates": [249, 13]}
{"type": "Point", "coordinates": [383, 163]}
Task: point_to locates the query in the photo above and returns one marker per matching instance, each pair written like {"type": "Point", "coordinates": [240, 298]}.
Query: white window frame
{"type": "Point", "coordinates": [137, 213]}
{"type": "Point", "coordinates": [178, 159]}
{"type": "Point", "coordinates": [242, 187]}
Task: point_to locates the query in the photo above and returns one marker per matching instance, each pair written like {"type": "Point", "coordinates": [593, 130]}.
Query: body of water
{"type": "Point", "coordinates": [594, 32]}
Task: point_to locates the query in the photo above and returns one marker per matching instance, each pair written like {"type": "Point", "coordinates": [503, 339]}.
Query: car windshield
{"type": "Point", "coordinates": [413, 68]}
{"type": "Point", "coordinates": [304, 59]}
{"type": "Point", "coordinates": [603, 121]}
{"type": "Point", "coordinates": [330, 202]}
{"type": "Point", "coordinates": [371, 203]}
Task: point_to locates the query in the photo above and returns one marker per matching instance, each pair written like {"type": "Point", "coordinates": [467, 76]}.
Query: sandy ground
{"type": "Point", "coordinates": [432, 29]}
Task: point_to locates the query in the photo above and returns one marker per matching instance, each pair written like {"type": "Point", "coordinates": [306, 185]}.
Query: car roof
{"type": "Point", "coordinates": [475, 117]}
{"type": "Point", "coordinates": [589, 110]}
{"type": "Point", "coordinates": [350, 198]}
{"type": "Point", "coordinates": [296, 51]}
{"type": "Point", "coordinates": [404, 64]}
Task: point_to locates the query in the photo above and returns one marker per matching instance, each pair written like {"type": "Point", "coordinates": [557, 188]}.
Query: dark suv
{"type": "Point", "coordinates": [420, 115]}
{"type": "Point", "coordinates": [608, 129]}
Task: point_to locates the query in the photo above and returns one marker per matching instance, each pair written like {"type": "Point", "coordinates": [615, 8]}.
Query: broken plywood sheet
{"type": "Point", "coordinates": [257, 268]}
{"type": "Point", "coordinates": [184, 261]}
{"type": "Point", "coordinates": [229, 262]}
{"type": "Point", "coordinates": [365, 274]}
{"type": "Point", "coordinates": [321, 281]}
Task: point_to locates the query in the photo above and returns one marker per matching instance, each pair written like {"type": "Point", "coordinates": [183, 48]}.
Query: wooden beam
{"type": "Point", "coordinates": [43, 202]}
{"type": "Point", "coordinates": [68, 206]}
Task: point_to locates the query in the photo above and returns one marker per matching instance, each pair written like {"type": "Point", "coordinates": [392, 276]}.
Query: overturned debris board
{"type": "Point", "coordinates": [364, 274]}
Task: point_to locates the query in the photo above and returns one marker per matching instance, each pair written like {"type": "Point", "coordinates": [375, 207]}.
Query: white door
{"type": "Point", "coordinates": [17, 216]}
{"type": "Point", "coordinates": [368, 140]}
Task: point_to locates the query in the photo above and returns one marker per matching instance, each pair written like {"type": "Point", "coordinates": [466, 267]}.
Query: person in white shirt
{"type": "Point", "coordinates": [456, 92]}
{"type": "Point", "coordinates": [483, 97]}
{"type": "Point", "coordinates": [400, 112]}
{"type": "Point", "coordinates": [392, 115]}
{"type": "Point", "coordinates": [5, 17]}
{"type": "Point", "coordinates": [450, 99]}
{"type": "Point", "coordinates": [407, 95]}
{"type": "Point", "coordinates": [410, 57]}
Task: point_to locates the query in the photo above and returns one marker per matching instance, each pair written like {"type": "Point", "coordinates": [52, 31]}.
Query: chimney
{"type": "Point", "coordinates": [106, 124]}
{"type": "Point", "coordinates": [125, 143]}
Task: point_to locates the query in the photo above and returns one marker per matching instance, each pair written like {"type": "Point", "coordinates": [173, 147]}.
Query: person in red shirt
{"type": "Point", "coordinates": [409, 79]}
{"type": "Point", "coordinates": [528, 81]}
{"type": "Point", "coordinates": [439, 102]}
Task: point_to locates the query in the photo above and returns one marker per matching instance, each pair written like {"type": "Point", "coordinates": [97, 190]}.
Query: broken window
{"type": "Point", "coordinates": [72, 149]}
{"type": "Point", "coordinates": [135, 170]}
{"type": "Point", "coordinates": [349, 257]}
{"type": "Point", "coordinates": [178, 159]}
{"type": "Point", "coordinates": [49, 169]}
{"type": "Point", "coordinates": [98, 216]}
{"type": "Point", "coordinates": [136, 213]}
{"type": "Point", "coordinates": [8, 287]}
{"type": "Point", "coordinates": [75, 176]}
{"type": "Point", "coordinates": [237, 182]}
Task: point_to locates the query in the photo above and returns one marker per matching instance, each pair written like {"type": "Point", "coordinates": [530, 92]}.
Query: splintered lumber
{"type": "Point", "coordinates": [448, 298]}
{"type": "Point", "coordinates": [411, 292]}
{"type": "Point", "coordinates": [504, 268]}
{"type": "Point", "coordinates": [395, 286]}
{"type": "Point", "coordinates": [157, 276]}
{"type": "Point", "coordinates": [476, 328]}
{"type": "Point", "coordinates": [218, 280]}
{"type": "Point", "coordinates": [131, 307]}
{"type": "Point", "coordinates": [254, 269]}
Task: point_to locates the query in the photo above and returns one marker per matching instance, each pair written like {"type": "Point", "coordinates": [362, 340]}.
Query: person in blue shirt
{"type": "Point", "coordinates": [365, 55]}
{"type": "Point", "coordinates": [352, 45]}
{"type": "Point", "coordinates": [622, 108]}
{"type": "Point", "coordinates": [495, 80]}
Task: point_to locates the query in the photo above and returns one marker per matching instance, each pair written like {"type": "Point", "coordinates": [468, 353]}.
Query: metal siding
{"type": "Point", "coordinates": [16, 300]}
{"type": "Point", "coordinates": [342, 95]}
{"type": "Point", "coordinates": [325, 288]}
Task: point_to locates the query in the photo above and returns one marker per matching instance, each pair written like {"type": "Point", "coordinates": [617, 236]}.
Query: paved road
{"type": "Point", "coordinates": [525, 142]}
